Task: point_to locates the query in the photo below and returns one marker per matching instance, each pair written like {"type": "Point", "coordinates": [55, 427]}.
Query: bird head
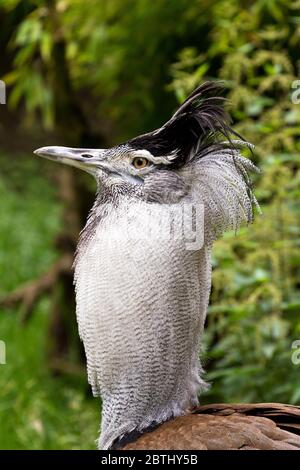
{"type": "Point", "coordinates": [153, 164]}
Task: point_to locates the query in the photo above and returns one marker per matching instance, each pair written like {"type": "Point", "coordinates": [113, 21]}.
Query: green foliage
{"type": "Point", "coordinates": [135, 58]}
{"type": "Point", "coordinates": [118, 51]}
{"type": "Point", "coordinates": [27, 215]}
{"type": "Point", "coordinates": [36, 410]}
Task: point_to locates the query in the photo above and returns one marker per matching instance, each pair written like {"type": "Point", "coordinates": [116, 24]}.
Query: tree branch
{"type": "Point", "coordinates": [28, 294]}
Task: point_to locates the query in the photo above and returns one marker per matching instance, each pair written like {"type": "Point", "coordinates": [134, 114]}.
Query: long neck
{"type": "Point", "coordinates": [141, 306]}
{"type": "Point", "coordinates": [108, 198]}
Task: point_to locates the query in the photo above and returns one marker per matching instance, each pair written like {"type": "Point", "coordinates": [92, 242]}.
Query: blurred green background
{"type": "Point", "coordinates": [93, 74]}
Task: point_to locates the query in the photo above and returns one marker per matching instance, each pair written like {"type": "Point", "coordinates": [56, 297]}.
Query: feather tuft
{"type": "Point", "coordinates": [198, 123]}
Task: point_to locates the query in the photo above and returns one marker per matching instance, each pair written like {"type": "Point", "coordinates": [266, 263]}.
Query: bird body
{"type": "Point", "coordinates": [142, 284]}
{"type": "Point", "coordinates": [258, 426]}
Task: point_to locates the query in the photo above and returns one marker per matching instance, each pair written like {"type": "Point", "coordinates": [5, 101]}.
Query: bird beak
{"type": "Point", "coordinates": [85, 159]}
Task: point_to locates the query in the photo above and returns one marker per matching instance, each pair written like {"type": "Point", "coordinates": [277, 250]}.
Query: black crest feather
{"type": "Point", "coordinates": [198, 123]}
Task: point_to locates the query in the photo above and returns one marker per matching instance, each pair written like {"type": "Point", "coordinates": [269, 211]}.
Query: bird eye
{"type": "Point", "coordinates": [140, 162]}
{"type": "Point", "coordinates": [87, 155]}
